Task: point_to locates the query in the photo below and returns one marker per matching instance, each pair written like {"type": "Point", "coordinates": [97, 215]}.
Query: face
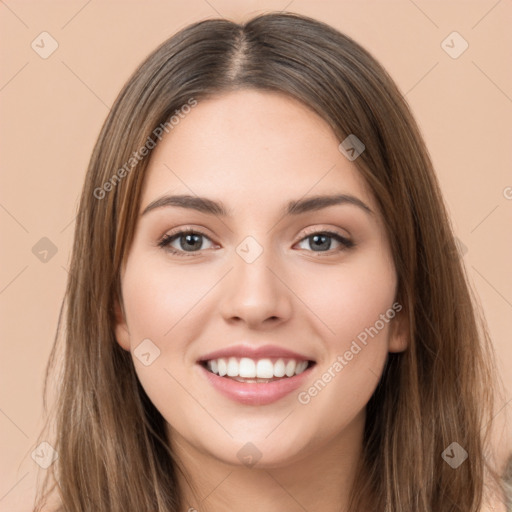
{"type": "Point", "coordinates": [294, 299]}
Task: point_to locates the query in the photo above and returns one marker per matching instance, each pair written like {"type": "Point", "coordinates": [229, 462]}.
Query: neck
{"type": "Point", "coordinates": [318, 479]}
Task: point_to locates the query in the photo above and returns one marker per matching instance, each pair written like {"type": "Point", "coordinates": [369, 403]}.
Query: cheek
{"type": "Point", "coordinates": [160, 304]}
{"type": "Point", "coordinates": [355, 308]}
{"type": "Point", "coordinates": [350, 298]}
{"type": "Point", "coordinates": [160, 300]}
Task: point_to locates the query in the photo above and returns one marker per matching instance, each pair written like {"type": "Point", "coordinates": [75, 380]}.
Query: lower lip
{"type": "Point", "coordinates": [255, 393]}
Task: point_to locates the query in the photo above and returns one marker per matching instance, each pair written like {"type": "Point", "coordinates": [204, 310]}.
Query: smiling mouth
{"type": "Point", "coordinates": [259, 371]}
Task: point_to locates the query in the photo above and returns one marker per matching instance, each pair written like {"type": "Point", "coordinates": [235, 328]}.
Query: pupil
{"type": "Point", "coordinates": [324, 240]}
{"type": "Point", "coordinates": [190, 240]}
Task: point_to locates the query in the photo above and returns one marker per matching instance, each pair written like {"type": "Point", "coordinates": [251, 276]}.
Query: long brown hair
{"type": "Point", "coordinates": [113, 454]}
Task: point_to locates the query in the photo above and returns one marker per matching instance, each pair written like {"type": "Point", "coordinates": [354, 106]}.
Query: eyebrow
{"type": "Point", "coordinates": [209, 206]}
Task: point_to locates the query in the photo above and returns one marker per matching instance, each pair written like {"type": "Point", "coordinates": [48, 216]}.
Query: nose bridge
{"type": "Point", "coordinates": [255, 291]}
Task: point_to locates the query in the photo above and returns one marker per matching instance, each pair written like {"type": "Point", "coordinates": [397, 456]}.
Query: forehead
{"type": "Point", "coordinates": [247, 146]}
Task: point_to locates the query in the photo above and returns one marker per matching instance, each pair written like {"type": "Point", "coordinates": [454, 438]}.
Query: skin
{"type": "Point", "coordinates": [256, 151]}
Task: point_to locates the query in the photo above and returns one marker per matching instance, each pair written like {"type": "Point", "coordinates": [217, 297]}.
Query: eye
{"type": "Point", "coordinates": [322, 240]}
{"type": "Point", "coordinates": [188, 241]}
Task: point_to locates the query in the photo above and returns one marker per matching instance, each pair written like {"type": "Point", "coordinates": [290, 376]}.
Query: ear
{"type": "Point", "coordinates": [399, 331]}
{"type": "Point", "coordinates": [121, 327]}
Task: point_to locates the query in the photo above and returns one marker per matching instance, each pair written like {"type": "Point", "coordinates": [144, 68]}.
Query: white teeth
{"type": "Point", "coordinates": [264, 369]}
{"type": "Point", "coordinates": [222, 366]}
{"type": "Point", "coordinates": [247, 368]}
{"type": "Point", "coordinates": [232, 367]}
{"type": "Point", "coordinates": [290, 368]}
{"type": "Point", "coordinates": [301, 367]}
{"type": "Point", "coordinates": [279, 368]}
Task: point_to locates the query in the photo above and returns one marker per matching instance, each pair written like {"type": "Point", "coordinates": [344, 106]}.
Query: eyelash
{"type": "Point", "coordinates": [166, 240]}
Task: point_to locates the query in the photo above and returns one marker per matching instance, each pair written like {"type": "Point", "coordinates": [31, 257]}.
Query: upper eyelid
{"type": "Point", "coordinates": [309, 231]}
{"type": "Point", "coordinates": [332, 231]}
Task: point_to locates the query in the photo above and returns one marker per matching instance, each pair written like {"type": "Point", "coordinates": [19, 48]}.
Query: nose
{"type": "Point", "coordinates": [256, 293]}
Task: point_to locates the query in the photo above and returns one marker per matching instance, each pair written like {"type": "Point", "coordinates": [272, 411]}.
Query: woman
{"type": "Point", "coordinates": [266, 308]}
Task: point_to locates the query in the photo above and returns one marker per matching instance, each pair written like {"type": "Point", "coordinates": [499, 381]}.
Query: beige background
{"type": "Point", "coordinates": [52, 110]}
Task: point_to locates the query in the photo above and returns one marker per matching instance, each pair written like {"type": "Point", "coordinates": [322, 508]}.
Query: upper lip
{"type": "Point", "coordinates": [252, 352]}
